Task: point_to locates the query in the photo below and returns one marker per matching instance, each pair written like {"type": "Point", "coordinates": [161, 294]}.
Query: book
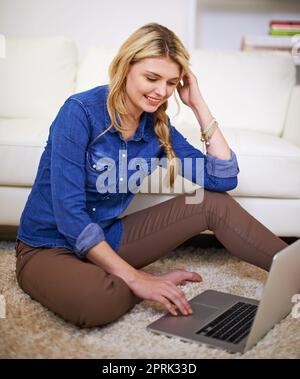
{"type": "Point", "coordinates": [278, 32]}
{"type": "Point", "coordinates": [284, 28]}
{"type": "Point", "coordinates": [283, 23]}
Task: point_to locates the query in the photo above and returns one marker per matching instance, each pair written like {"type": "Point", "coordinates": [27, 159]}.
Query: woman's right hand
{"type": "Point", "coordinates": [150, 287]}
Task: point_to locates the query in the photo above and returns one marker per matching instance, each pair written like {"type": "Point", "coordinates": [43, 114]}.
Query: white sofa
{"type": "Point", "coordinates": [253, 96]}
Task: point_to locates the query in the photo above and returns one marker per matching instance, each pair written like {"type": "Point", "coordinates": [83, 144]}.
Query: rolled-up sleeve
{"type": "Point", "coordinates": [222, 168]}
{"type": "Point", "coordinates": [70, 137]}
{"type": "Point", "coordinates": [218, 174]}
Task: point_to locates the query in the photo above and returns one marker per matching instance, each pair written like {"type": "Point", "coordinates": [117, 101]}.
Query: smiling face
{"type": "Point", "coordinates": [149, 83]}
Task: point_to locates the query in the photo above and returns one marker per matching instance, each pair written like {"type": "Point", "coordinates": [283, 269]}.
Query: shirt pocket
{"type": "Point", "coordinates": [101, 176]}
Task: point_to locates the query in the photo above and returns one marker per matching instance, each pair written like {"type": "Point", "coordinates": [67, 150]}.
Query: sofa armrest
{"type": "Point", "coordinates": [291, 131]}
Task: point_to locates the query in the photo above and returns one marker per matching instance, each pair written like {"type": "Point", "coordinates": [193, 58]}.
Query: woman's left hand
{"type": "Point", "coordinates": [189, 91]}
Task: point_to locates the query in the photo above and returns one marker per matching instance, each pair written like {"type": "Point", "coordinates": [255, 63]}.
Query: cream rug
{"type": "Point", "coordinates": [31, 331]}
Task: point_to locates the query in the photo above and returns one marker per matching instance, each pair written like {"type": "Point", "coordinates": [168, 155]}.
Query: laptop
{"type": "Point", "coordinates": [237, 323]}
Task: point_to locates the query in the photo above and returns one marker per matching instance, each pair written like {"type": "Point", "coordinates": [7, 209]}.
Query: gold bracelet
{"type": "Point", "coordinates": [208, 131]}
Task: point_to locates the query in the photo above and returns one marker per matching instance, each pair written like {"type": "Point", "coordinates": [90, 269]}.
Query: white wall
{"type": "Point", "coordinates": [202, 23]}
{"type": "Point", "coordinates": [221, 24]}
{"type": "Point", "coordinates": [90, 22]}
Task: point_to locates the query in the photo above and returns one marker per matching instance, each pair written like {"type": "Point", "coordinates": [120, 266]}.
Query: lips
{"type": "Point", "coordinates": [152, 100]}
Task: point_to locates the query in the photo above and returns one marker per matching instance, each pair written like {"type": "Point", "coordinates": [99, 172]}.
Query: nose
{"type": "Point", "coordinates": [161, 90]}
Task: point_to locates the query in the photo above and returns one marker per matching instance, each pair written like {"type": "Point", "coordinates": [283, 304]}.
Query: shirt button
{"type": "Point", "coordinates": [94, 165]}
{"type": "Point", "coordinates": [123, 155]}
{"type": "Point", "coordinates": [121, 179]}
{"type": "Point", "coordinates": [94, 209]}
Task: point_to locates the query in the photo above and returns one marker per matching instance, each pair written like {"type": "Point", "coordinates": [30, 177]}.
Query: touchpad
{"type": "Point", "coordinates": [201, 311]}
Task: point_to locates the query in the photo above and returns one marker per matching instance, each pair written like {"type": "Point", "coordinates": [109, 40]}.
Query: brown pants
{"type": "Point", "coordinates": [84, 294]}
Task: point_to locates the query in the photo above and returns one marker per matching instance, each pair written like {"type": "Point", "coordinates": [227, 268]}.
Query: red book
{"type": "Point", "coordinates": [287, 23]}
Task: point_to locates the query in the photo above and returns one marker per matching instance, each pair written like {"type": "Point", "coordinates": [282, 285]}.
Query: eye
{"type": "Point", "coordinates": [151, 79]}
{"type": "Point", "coordinates": [172, 84]}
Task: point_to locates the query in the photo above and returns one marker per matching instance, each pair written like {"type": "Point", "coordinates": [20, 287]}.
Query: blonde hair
{"type": "Point", "coordinates": [151, 40]}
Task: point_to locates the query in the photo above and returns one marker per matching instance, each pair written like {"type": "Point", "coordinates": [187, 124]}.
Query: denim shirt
{"type": "Point", "coordinates": [67, 206]}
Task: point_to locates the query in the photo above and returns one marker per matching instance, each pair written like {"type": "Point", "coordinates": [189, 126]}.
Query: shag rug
{"type": "Point", "coordinates": [31, 331]}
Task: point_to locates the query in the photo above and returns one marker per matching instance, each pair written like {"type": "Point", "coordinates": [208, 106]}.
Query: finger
{"type": "Point", "coordinates": [186, 304]}
{"type": "Point", "coordinates": [178, 298]}
{"type": "Point", "coordinates": [175, 300]}
{"type": "Point", "coordinates": [185, 79]}
{"type": "Point", "coordinates": [188, 76]}
{"type": "Point", "coordinates": [168, 305]}
{"type": "Point", "coordinates": [188, 276]}
{"type": "Point", "coordinates": [194, 277]}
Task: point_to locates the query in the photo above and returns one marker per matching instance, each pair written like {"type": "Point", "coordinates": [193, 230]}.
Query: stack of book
{"type": "Point", "coordinates": [283, 35]}
{"type": "Point", "coordinates": [284, 28]}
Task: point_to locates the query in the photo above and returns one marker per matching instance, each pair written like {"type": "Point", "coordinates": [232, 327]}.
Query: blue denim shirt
{"type": "Point", "coordinates": [67, 207]}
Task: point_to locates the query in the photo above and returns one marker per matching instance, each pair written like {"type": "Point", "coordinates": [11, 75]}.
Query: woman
{"type": "Point", "coordinates": [73, 253]}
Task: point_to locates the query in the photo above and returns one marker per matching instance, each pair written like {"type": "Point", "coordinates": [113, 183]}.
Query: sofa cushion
{"type": "Point", "coordinates": [36, 76]}
{"type": "Point", "coordinates": [269, 165]}
{"type": "Point", "coordinates": [93, 67]}
{"type": "Point", "coordinates": [20, 149]}
{"type": "Point", "coordinates": [244, 90]}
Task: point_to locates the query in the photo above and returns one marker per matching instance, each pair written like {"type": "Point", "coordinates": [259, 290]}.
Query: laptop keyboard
{"type": "Point", "coordinates": [233, 325]}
